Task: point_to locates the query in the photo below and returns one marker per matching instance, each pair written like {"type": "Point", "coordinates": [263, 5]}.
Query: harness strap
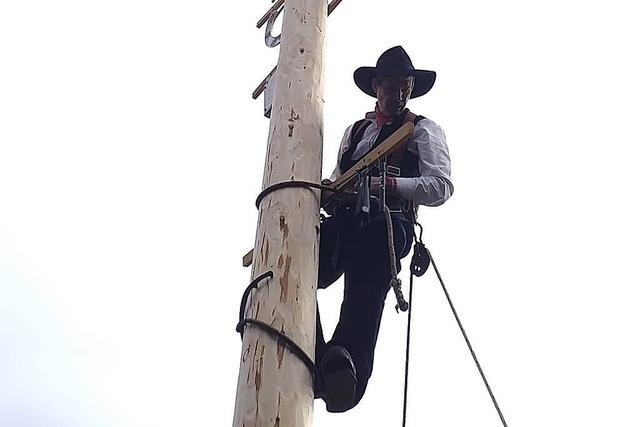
{"type": "Point", "coordinates": [396, 157]}
{"type": "Point", "coordinates": [357, 131]}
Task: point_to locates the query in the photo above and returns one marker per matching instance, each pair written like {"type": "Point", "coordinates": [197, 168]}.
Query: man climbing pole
{"type": "Point", "coordinates": [354, 241]}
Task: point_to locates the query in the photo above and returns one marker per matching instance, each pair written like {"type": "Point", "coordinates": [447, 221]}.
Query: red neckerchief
{"type": "Point", "coordinates": [381, 118]}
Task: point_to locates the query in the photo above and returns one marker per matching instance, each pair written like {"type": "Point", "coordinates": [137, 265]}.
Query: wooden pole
{"type": "Point", "coordinates": [274, 387]}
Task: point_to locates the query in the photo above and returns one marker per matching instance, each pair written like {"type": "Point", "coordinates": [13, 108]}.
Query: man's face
{"type": "Point", "coordinates": [392, 93]}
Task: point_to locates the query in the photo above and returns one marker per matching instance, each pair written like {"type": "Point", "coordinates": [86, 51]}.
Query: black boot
{"type": "Point", "coordinates": [339, 379]}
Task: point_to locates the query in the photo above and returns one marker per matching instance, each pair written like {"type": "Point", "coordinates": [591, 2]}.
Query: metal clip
{"type": "Point", "coordinates": [393, 171]}
{"type": "Point", "coordinates": [363, 204]}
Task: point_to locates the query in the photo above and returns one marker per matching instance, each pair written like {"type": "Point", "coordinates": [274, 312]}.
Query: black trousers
{"type": "Point", "coordinates": [362, 255]}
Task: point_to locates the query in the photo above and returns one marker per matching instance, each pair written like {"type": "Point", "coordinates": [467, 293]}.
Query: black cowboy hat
{"type": "Point", "coordinates": [395, 62]}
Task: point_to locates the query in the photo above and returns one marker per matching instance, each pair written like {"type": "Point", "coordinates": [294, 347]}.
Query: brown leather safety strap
{"type": "Point", "coordinates": [395, 158]}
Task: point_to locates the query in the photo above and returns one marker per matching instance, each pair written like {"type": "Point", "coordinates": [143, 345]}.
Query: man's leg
{"type": "Point", "coordinates": [367, 275]}
{"type": "Point", "coordinates": [330, 269]}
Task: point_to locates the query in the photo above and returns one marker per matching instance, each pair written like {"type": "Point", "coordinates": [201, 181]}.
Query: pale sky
{"type": "Point", "coordinates": [131, 153]}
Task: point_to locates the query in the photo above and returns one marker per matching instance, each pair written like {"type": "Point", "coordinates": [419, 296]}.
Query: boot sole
{"type": "Point", "coordinates": [340, 390]}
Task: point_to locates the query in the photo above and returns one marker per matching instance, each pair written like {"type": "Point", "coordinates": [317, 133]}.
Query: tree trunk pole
{"type": "Point", "coordinates": [274, 387]}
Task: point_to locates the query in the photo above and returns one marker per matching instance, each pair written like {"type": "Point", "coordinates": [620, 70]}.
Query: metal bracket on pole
{"type": "Point", "coordinates": [271, 16]}
{"type": "Point", "coordinates": [268, 96]}
{"type": "Point", "coordinates": [269, 39]}
{"type": "Point", "coordinates": [277, 5]}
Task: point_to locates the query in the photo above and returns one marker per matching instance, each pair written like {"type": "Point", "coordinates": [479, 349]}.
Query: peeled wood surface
{"type": "Point", "coordinates": [274, 387]}
{"type": "Point", "coordinates": [263, 84]}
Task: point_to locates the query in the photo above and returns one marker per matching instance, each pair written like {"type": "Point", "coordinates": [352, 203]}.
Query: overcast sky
{"type": "Point", "coordinates": [131, 153]}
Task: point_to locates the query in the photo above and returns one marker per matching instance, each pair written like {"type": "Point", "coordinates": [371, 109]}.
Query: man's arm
{"type": "Point", "coordinates": [433, 187]}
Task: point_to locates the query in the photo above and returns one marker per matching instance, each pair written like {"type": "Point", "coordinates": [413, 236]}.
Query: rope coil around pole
{"type": "Point", "coordinates": [273, 332]}
{"type": "Point", "coordinates": [294, 184]}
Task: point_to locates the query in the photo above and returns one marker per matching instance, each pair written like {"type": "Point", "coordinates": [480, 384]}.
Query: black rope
{"type": "Point", "coordinates": [420, 262]}
{"type": "Point", "coordinates": [275, 333]}
{"type": "Point", "coordinates": [253, 285]}
{"type": "Point", "coordinates": [419, 265]}
{"type": "Point", "coordinates": [464, 334]}
{"type": "Point", "coordinates": [294, 184]}
{"type": "Point", "coordinates": [406, 356]}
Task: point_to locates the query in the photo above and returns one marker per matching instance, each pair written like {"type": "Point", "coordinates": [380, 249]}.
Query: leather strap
{"type": "Point", "coordinates": [357, 131]}
{"type": "Point", "coordinates": [395, 158]}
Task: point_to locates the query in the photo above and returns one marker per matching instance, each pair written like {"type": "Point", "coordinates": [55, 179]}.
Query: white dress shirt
{"type": "Point", "coordinates": [433, 187]}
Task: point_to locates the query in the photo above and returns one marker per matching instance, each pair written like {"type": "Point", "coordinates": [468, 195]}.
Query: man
{"type": "Point", "coordinates": [357, 246]}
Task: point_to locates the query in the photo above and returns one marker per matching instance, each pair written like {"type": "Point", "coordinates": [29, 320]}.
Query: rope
{"type": "Point", "coordinates": [294, 184]}
{"type": "Point", "coordinates": [253, 285]}
{"type": "Point", "coordinates": [406, 356]}
{"type": "Point", "coordinates": [419, 264]}
{"type": "Point", "coordinates": [395, 283]}
{"type": "Point", "coordinates": [276, 334]}
{"type": "Point", "coordinates": [464, 334]}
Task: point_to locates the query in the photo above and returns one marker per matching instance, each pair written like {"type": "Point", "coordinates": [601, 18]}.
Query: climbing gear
{"type": "Point", "coordinates": [420, 262]}
{"type": "Point", "coordinates": [294, 184]}
{"type": "Point", "coordinates": [273, 332]}
{"type": "Point", "coordinates": [400, 162]}
{"type": "Point", "coordinates": [395, 283]}
{"type": "Point", "coordinates": [466, 339]}
{"type": "Point", "coordinates": [396, 156]}
{"type": "Point", "coordinates": [363, 199]}
{"type": "Point", "coordinates": [345, 180]}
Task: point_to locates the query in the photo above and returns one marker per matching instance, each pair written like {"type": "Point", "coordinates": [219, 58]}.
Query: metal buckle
{"type": "Point", "coordinates": [393, 171]}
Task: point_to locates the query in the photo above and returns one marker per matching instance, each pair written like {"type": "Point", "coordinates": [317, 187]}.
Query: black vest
{"type": "Point", "coordinates": [408, 166]}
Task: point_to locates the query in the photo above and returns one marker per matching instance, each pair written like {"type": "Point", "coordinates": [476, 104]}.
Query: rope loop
{"type": "Point", "coordinates": [294, 184]}
{"type": "Point", "coordinates": [273, 332]}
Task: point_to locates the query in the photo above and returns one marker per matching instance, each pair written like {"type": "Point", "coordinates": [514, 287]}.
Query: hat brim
{"type": "Point", "coordinates": [424, 80]}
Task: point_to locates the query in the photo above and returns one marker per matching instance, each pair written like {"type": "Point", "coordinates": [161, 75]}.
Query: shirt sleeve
{"type": "Point", "coordinates": [344, 146]}
{"type": "Point", "coordinates": [433, 187]}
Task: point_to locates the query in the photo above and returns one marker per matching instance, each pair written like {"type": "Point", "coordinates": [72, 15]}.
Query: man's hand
{"type": "Point", "coordinates": [376, 184]}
